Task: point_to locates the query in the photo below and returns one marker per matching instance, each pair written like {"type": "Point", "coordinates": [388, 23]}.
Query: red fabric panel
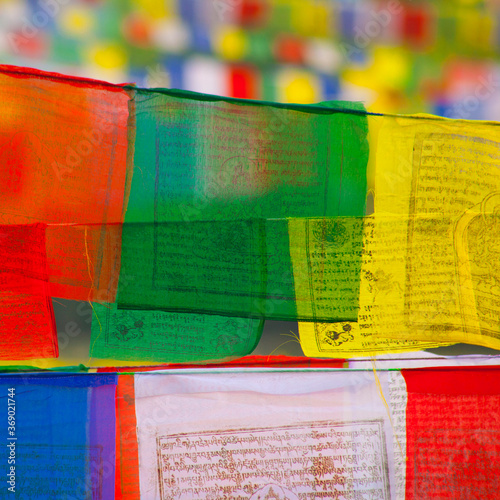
{"type": "Point", "coordinates": [27, 324]}
{"type": "Point", "coordinates": [466, 380]}
{"type": "Point", "coordinates": [91, 268]}
{"type": "Point", "coordinates": [30, 73]}
{"type": "Point", "coordinates": [453, 433]}
{"type": "Point", "coordinates": [127, 457]}
{"type": "Point", "coordinates": [284, 362]}
{"type": "Point", "coordinates": [64, 157]}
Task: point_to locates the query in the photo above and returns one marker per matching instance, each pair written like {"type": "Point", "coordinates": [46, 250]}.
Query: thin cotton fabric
{"type": "Point", "coordinates": [244, 268]}
{"type": "Point", "coordinates": [194, 208]}
{"type": "Point", "coordinates": [294, 433]}
{"type": "Point", "coordinates": [127, 479]}
{"type": "Point", "coordinates": [64, 434]}
{"type": "Point", "coordinates": [428, 274]}
{"type": "Point", "coordinates": [453, 435]}
{"type": "Point", "coordinates": [205, 235]}
{"type": "Point", "coordinates": [440, 179]}
{"type": "Point", "coordinates": [382, 293]}
{"type": "Point", "coordinates": [291, 431]}
{"type": "Point", "coordinates": [27, 324]}
{"type": "Point", "coordinates": [158, 336]}
{"type": "Point", "coordinates": [89, 152]}
{"type": "Point", "coordinates": [437, 183]}
{"type": "Point", "coordinates": [64, 145]}
{"type": "Point", "coordinates": [264, 428]}
{"type": "Point", "coordinates": [212, 179]}
{"type": "Point", "coordinates": [200, 157]}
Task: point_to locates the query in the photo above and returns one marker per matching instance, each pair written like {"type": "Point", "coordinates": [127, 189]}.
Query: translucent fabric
{"type": "Point", "coordinates": [139, 335]}
{"type": "Point", "coordinates": [453, 436]}
{"type": "Point", "coordinates": [429, 274]}
{"type": "Point", "coordinates": [61, 437]}
{"type": "Point", "coordinates": [64, 145]}
{"type": "Point", "coordinates": [27, 324]}
{"type": "Point", "coordinates": [194, 208]}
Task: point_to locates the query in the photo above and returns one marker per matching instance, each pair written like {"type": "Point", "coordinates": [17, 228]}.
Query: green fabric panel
{"type": "Point", "coordinates": [240, 268]}
{"type": "Point", "coordinates": [155, 336]}
{"type": "Point", "coordinates": [206, 169]}
{"type": "Point", "coordinates": [279, 300]}
{"type": "Point", "coordinates": [287, 269]}
{"type": "Point", "coordinates": [209, 267]}
{"type": "Point", "coordinates": [205, 243]}
{"type": "Point", "coordinates": [223, 159]}
{"type": "Point", "coordinates": [350, 151]}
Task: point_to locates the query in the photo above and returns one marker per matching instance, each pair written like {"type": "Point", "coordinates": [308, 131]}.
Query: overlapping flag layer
{"type": "Point", "coordinates": [286, 433]}
{"type": "Point", "coordinates": [187, 220]}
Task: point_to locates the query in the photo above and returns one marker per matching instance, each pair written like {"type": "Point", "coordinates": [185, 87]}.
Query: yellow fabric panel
{"type": "Point", "coordinates": [381, 301]}
{"type": "Point", "coordinates": [440, 179]}
{"type": "Point", "coordinates": [347, 340]}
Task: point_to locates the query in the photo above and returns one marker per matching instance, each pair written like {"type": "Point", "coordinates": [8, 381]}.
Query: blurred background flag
{"type": "Point", "coordinates": [399, 56]}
